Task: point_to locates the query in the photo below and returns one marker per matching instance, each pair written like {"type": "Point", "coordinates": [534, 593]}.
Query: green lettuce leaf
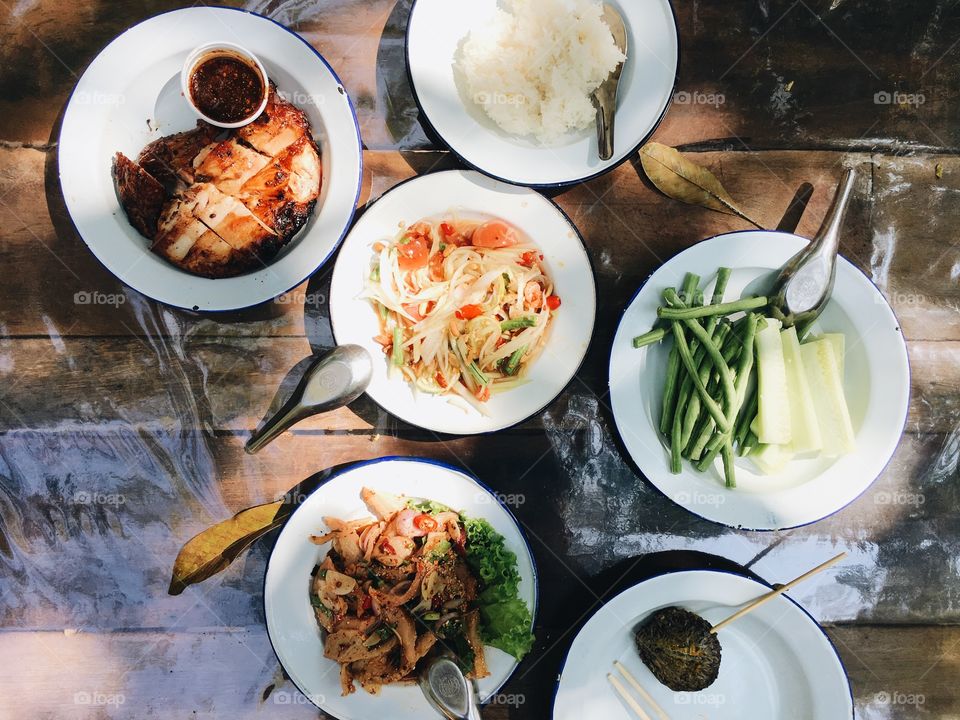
{"type": "Point", "coordinates": [505, 619]}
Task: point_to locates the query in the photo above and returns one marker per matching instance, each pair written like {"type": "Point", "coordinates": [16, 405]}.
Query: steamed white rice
{"type": "Point", "coordinates": [534, 68]}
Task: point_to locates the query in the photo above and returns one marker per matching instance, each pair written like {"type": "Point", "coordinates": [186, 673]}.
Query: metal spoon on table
{"type": "Point", "coordinates": [805, 282]}
{"type": "Point", "coordinates": [333, 380]}
{"type": "Point", "coordinates": [448, 691]}
{"type": "Point", "coordinates": [605, 96]}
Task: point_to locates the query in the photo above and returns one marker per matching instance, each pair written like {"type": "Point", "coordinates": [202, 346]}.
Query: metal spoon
{"type": "Point", "coordinates": [605, 96]}
{"type": "Point", "coordinates": [448, 691]}
{"type": "Point", "coordinates": [805, 282]}
{"type": "Point", "coordinates": [332, 381]}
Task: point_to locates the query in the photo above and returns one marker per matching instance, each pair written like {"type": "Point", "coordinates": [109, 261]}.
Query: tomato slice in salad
{"type": "Point", "coordinates": [553, 302]}
{"type": "Point", "coordinates": [494, 234]}
{"type": "Point", "coordinates": [413, 252]}
{"type": "Point", "coordinates": [469, 312]}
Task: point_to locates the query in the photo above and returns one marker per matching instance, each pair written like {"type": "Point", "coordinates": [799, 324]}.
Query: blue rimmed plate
{"type": "Point", "coordinates": [130, 95]}
{"type": "Point", "coordinates": [776, 662]}
{"type": "Point", "coordinates": [876, 383]}
{"type": "Point", "coordinates": [437, 28]}
{"type": "Point", "coordinates": [291, 624]}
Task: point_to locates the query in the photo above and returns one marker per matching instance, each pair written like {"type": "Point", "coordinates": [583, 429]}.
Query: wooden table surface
{"type": "Point", "coordinates": [122, 423]}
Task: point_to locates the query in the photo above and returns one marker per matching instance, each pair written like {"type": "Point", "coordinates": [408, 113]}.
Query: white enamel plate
{"type": "Point", "coordinates": [291, 624]}
{"type": "Point", "coordinates": [471, 194]}
{"type": "Point", "coordinates": [434, 33]}
{"type": "Point", "coordinates": [876, 383]}
{"type": "Point", "coordinates": [130, 95]}
{"type": "Point", "coordinates": [776, 662]}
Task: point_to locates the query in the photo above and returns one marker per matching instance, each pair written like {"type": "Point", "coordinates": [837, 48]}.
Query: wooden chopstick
{"type": "Point", "coordinates": [647, 697]}
{"type": "Point", "coordinates": [627, 697]}
{"type": "Point", "coordinates": [775, 593]}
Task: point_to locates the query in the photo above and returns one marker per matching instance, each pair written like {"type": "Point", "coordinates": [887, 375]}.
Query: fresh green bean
{"type": "Point", "coordinates": [673, 368]}
{"type": "Point", "coordinates": [747, 413]}
{"type": "Point", "coordinates": [695, 442]}
{"type": "Point", "coordinates": [649, 338]}
{"type": "Point", "coordinates": [704, 432]}
{"type": "Point", "coordinates": [729, 469]}
{"type": "Point", "coordinates": [726, 379]}
{"type": "Point", "coordinates": [513, 362]}
{"type": "Point", "coordinates": [693, 405]}
{"type": "Point", "coordinates": [685, 358]}
{"type": "Point", "coordinates": [518, 323]}
{"type": "Point", "coordinates": [685, 390]}
{"type": "Point", "coordinates": [720, 287]}
{"type": "Point", "coordinates": [723, 439]}
{"type": "Point", "coordinates": [670, 390]}
{"type": "Point", "coordinates": [728, 308]}
{"type": "Point", "coordinates": [675, 462]}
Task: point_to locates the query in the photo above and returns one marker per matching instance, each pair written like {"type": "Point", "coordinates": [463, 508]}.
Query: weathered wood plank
{"type": "Point", "coordinates": [629, 228]}
{"type": "Point", "coordinates": [229, 383]}
{"type": "Point", "coordinates": [915, 254]}
{"type": "Point", "coordinates": [93, 521]}
{"type": "Point", "coordinates": [789, 74]}
{"type": "Point", "coordinates": [897, 673]}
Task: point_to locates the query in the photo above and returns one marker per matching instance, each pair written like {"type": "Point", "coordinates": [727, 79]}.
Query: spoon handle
{"type": "Point", "coordinates": [332, 380]}
{"type": "Point", "coordinates": [827, 241]}
{"type": "Point", "coordinates": [290, 414]}
{"type": "Point", "coordinates": [606, 107]}
{"type": "Point", "coordinates": [775, 593]}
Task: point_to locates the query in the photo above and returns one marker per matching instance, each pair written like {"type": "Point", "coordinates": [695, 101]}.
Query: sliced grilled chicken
{"type": "Point", "coordinates": [202, 214]}
{"type": "Point", "coordinates": [141, 196]}
{"type": "Point", "coordinates": [220, 204]}
{"type": "Point", "coordinates": [254, 243]}
{"type": "Point", "coordinates": [282, 195]}
{"type": "Point", "coordinates": [280, 125]}
{"type": "Point", "coordinates": [228, 165]}
{"type": "Point", "coordinates": [170, 159]}
{"type": "Point", "coordinates": [179, 227]}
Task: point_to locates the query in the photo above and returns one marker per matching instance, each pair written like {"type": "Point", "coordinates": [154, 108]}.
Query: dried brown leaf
{"type": "Point", "coordinates": [682, 179]}
{"type": "Point", "coordinates": [216, 547]}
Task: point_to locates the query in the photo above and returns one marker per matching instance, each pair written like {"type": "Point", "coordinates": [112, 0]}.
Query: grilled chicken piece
{"type": "Point", "coordinates": [170, 159]}
{"type": "Point", "coordinates": [179, 228]}
{"type": "Point", "coordinates": [228, 165]}
{"type": "Point", "coordinates": [140, 194]}
{"type": "Point", "coordinates": [219, 203]}
{"type": "Point", "coordinates": [279, 125]}
{"type": "Point", "coordinates": [213, 234]}
{"type": "Point", "coordinates": [254, 244]}
{"type": "Point", "coordinates": [282, 195]}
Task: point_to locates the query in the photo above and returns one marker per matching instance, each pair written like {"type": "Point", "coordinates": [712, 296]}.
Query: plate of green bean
{"type": "Point", "coordinates": [683, 385]}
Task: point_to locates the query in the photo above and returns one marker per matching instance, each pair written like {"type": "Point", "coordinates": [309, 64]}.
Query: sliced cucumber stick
{"type": "Point", "coordinates": [771, 459]}
{"type": "Point", "coordinates": [804, 427]}
{"type": "Point", "coordinates": [826, 389]}
{"type": "Point", "coordinates": [839, 342]}
{"type": "Point", "coordinates": [773, 414]}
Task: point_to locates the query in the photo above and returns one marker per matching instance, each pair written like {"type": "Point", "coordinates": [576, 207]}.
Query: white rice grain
{"type": "Point", "coordinates": [534, 68]}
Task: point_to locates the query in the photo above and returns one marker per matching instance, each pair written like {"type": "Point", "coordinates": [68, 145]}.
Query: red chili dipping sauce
{"type": "Point", "coordinates": [226, 88]}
